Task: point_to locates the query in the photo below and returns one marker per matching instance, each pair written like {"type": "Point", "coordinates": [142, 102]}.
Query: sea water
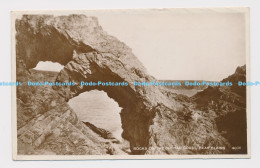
{"type": "Point", "coordinates": [98, 109]}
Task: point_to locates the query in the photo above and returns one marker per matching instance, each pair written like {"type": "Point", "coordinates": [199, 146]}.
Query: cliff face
{"type": "Point", "coordinates": [151, 119]}
{"type": "Point", "coordinates": [227, 106]}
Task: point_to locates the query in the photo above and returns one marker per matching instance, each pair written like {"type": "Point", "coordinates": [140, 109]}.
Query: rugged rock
{"type": "Point", "coordinates": [153, 121]}
{"type": "Point", "coordinates": [226, 105]}
{"type": "Point", "coordinates": [102, 132]}
{"type": "Point", "coordinates": [47, 125]}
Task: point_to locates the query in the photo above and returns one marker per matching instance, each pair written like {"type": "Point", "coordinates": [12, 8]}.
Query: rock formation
{"type": "Point", "coordinates": [227, 106]}
{"type": "Point", "coordinates": [153, 119]}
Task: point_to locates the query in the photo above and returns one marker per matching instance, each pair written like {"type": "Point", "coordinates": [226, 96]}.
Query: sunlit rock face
{"type": "Point", "coordinates": [152, 118]}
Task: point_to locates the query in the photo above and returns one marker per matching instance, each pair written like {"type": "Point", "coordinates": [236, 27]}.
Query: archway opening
{"type": "Point", "coordinates": [97, 108]}
{"type": "Point", "coordinates": [94, 108]}
{"type": "Point", "coordinates": [48, 66]}
{"type": "Point", "coordinates": [102, 114]}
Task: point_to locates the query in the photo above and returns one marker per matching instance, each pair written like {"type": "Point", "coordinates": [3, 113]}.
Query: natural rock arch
{"type": "Point", "coordinates": [149, 117]}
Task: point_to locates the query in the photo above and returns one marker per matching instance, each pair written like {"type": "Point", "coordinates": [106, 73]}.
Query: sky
{"type": "Point", "coordinates": [181, 45]}
{"type": "Point", "coordinates": [49, 66]}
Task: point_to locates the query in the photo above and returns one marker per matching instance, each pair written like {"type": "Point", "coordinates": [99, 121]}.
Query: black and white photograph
{"type": "Point", "coordinates": [131, 84]}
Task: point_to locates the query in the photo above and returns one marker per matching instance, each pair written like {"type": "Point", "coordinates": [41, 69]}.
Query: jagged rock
{"type": "Point", "coordinates": [152, 120]}
{"type": "Point", "coordinates": [227, 106]}
{"type": "Point", "coordinates": [102, 132]}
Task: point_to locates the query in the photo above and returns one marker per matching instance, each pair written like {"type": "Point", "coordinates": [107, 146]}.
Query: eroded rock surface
{"type": "Point", "coordinates": [227, 106]}
{"type": "Point", "coordinates": [153, 119]}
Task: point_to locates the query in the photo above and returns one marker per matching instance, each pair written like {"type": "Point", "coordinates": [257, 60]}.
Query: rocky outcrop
{"type": "Point", "coordinates": [226, 105]}
{"type": "Point", "coordinates": [46, 125]}
{"type": "Point", "coordinates": [102, 132]}
{"type": "Point", "coordinates": [153, 121]}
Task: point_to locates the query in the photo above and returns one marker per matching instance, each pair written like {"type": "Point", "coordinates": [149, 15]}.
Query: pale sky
{"type": "Point", "coordinates": [181, 45]}
{"type": "Point", "coordinates": [49, 66]}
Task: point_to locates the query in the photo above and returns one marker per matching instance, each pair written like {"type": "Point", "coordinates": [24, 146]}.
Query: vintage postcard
{"type": "Point", "coordinates": [131, 84]}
